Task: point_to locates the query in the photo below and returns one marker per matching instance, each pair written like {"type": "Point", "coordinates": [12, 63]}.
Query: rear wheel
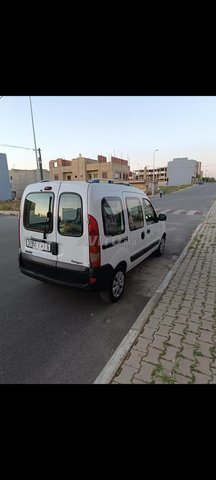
{"type": "Point", "coordinates": [116, 289]}
{"type": "Point", "coordinates": [161, 247]}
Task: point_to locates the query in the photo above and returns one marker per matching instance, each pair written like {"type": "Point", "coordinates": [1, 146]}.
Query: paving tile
{"type": "Point", "coordinates": [201, 378]}
{"type": "Point", "coordinates": [145, 373]}
{"type": "Point", "coordinates": [158, 342]}
{"type": "Point", "coordinates": [181, 379]}
{"type": "Point", "coordinates": [152, 357]}
{"type": "Point", "coordinates": [142, 344]}
{"type": "Point", "coordinates": [164, 330]}
{"type": "Point", "coordinates": [175, 340]}
{"type": "Point", "coordinates": [134, 358]}
{"type": "Point", "coordinates": [148, 332]}
{"type": "Point", "coordinates": [170, 353]}
{"type": "Point", "coordinates": [203, 365]}
{"type": "Point", "coordinates": [188, 351]}
{"type": "Point", "coordinates": [184, 367]}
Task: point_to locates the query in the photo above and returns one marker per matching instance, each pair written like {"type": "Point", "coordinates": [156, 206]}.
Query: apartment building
{"type": "Point", "coordinates": [82, 168]}
{"type": "Point", "coordinates": [182, 171]}
{"type": "Point", "coordinates": [146, 174]}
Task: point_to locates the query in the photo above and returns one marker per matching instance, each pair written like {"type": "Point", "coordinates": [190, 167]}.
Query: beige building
{"type": "Point", "coordinates": [19, 179]}
{"type": "Point", "coordinates": [160, 175]}
{"type": "Point", "coordinates": [82, 168]}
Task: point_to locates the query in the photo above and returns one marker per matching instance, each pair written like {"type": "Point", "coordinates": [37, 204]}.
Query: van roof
{"type": "Point", "coordinates": [95, 184]}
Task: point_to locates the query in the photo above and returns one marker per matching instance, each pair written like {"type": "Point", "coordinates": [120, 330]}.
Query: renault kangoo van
{"type": "Point", "coordinates": [87, 235]}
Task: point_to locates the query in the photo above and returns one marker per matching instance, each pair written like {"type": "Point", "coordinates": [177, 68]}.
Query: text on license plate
{"type": "Point", "coordinates": [42, 246]}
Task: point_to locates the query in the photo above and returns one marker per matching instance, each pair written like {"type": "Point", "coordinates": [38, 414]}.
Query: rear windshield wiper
{"type": "Point", "coordinates": [49, 216]}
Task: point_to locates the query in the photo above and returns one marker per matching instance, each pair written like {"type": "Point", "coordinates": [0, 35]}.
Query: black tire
{"type": "Point", "coordinates": [161, 248]}
{"type": "Point", "coordinates": [114, 293]}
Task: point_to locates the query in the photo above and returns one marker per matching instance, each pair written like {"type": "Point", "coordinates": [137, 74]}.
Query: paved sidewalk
{"type": "Point", "coordinates": [178, 342]}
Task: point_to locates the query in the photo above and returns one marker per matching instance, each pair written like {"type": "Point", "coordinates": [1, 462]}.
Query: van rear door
{"type": "Point", "coordinates": [37, 227]}
{"type": "Point", "coordinates": [72, 228]}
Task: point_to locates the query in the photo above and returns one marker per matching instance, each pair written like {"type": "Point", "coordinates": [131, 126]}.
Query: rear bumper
{"type": "Point", "coordinates": [69, 276]}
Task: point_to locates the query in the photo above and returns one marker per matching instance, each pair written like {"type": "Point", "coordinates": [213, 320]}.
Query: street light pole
{"type": "Point", "coordinates": [154, 170]}
{"type": "Point", "coordinates": [36, 150]}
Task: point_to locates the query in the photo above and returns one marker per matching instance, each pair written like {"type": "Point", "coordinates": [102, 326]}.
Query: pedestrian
{"type": "Point", "coordinates": [161, 193]}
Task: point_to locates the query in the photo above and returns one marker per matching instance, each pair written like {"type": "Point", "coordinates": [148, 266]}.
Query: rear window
{"type": "Point", "coordinates": [38, 212]}
{"type": "Point", "coordinates": [70, 215]}
{"type": "Point", "coordinates": [113, 217]}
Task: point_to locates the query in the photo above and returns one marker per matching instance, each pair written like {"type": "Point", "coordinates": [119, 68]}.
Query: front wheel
{"type": "Point", "coordinates": [116, 289]}
{"type": "Point", "coordinates": [161, 247]}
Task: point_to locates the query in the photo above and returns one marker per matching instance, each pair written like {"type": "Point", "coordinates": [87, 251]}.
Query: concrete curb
{"type": "Point", "coordinates": [110, 369]}
{"type": "Point", "coordinates": [9, 212]}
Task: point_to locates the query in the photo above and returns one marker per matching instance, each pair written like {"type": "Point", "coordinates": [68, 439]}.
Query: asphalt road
{"type": "Point", "coordinates": [54, 335]}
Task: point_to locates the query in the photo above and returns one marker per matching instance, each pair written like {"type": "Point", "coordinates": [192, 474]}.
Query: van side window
{"type": "Point", "coordinates": [113, 217]}
{"type": "Point", "coordinates": [135, 213]}
{"type": "Point", "coordinates": [150, 214]}
{"type": "Point", "coordinates": [70, 221]}
{"type": "Point", "coordinates": [38, 212]}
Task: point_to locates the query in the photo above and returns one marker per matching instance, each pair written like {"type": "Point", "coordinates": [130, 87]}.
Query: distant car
{"type": "Point", "coordinates": [200, 182]}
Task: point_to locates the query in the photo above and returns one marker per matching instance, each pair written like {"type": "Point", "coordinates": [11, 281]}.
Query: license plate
{"type": "Point", "coordinates": [36, 245]}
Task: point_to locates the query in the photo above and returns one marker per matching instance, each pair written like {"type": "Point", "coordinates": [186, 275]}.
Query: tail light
{"type": "Point", "coordinates": [94, 243]}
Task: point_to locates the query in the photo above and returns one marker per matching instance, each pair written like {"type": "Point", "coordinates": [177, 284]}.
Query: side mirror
{"type": "Point", "coordinates": [162, 217]}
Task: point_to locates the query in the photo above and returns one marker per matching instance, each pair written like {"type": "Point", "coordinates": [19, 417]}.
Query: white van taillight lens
{"type": "Point", "coordinates": [94, 243]}
{"type": "Point", "coordinates": [19, 230]}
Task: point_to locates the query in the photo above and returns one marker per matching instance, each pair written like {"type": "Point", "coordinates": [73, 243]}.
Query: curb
{"type": "Point", "coordinates": [9, 212]}
{"type": "Point", "coordinates": [110, 369]}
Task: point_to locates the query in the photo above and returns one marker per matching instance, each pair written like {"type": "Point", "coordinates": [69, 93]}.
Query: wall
{"type": "Point", "coordinates": [5, 190]}
{"type": "Point", "coordinates": [180, 171]}
{"type": "Point", "coordinates": [21, 178]}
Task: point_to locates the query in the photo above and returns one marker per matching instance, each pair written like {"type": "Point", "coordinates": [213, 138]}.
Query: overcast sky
{"type": "Point", "coordinates": [130, 127]}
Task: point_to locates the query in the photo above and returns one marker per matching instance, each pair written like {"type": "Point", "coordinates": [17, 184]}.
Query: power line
{"type": "Point", "coordinates": [15, 146]}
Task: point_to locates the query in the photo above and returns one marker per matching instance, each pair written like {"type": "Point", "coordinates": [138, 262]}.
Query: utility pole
{"type": "Point", "coordinates": [36, 150]}
{"type": "Point", "coordinates": [40, 163]}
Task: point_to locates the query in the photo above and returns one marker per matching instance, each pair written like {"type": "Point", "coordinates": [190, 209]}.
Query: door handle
{"type": "Point", "coordinates": [148, 231]}
{"type": "Point", "coordinates": [143, 235]}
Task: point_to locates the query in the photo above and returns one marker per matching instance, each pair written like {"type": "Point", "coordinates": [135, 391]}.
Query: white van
{"type": "Point", "coordinates": [87, 234]}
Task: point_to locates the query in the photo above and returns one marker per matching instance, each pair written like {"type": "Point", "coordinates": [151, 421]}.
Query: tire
{"type": "Point", "coordinates": [114, 293]}
{"type": "Point", "coordinates": [161, 247]}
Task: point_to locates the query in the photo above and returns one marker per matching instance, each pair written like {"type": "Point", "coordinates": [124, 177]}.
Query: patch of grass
{"type": "Point", "coordinates": [197, 351]}
{"type": "Point", "coordinates": [213, 351]}
{"type": "Point", "coordinates": [13, 205]}
{"type": "Point", "coordinates": [170, 189]}
{"type": "Point", "coordinates": [159, 373]}
{"type": "Point", "coordinates": [193, 379]}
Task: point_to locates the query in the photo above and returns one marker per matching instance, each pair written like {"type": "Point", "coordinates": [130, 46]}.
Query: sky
{"type": "Point", "coordinates": [129, 127]}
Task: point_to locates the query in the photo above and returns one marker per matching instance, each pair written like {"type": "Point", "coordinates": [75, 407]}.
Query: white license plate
{"type": "Point", "coordinates": [41, 246]}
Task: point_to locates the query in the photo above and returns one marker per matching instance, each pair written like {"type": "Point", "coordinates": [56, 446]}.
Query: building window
{"type": "Point", "coordinates": [113, 217]}
{"type": "Point", "coordinates": [75, 176]}
{"type": "Point", "coordinates": [55, 164]}
{"type": "Point", "coordinates": [69, 177]}
{"type": "Point", "coordinates": [55, 177]}
{"type": "Point", "coordinates": [117, 175]}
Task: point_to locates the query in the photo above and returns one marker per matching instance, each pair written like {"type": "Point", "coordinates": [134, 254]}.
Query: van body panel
{"type": "Point", "coordinates": [54, 231]}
